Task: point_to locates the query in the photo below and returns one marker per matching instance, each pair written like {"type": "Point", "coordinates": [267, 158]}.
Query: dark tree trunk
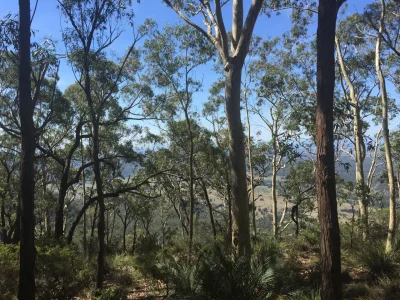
{"type": "Point", "coordinates": [26, 288]}
{"type": "Point", "coordinates": [331, 288]}
{"type": "Point", "coordinates": [240, 204]}
{"type": "Point", "coordinates": [295, 218]}
{"type": "Point", "coordinates": [191, 178]}
{"type": "Point", "coordinates": [84, 202]}
{"type": "Point", "coordinates": [102, 208]}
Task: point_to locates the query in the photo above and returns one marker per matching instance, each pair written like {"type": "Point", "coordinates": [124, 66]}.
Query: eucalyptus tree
{"type": "Point", "coordinates": [26, 288]}
{"type": "Point", "coordinates": [93, 28]}
{"type": "Point", "coordinates": [174, 56]}
{"type": "Point", "coordinates": [59, 141]}
{"type": "Point", "coordinates": [247, 82]}
{"type": "Point", "coordinates": [298, 187]}
{"type": "Point", "coordinates": [357, 79]}
{"type": "Point", "coordinates": [385, 131]}
{"type": "Point", "coordinates": [220, 181]}
{"type": "Point", "coordinates": [26, 87]}
{"type": "Point", "coordinates": [381, 24]}
{"type": "Point", "coordinates": [275, 91]}
{"type": "Point", "coordinates": [325, 168]}
{"type": "Point", "coordinates": [232, 52]}
{"type": "Point", "coordinates": [9, 191]}
{"type": "Point", "coordinates": [46, 98]}
{"type": "Point", "coordinates": [127, 215]}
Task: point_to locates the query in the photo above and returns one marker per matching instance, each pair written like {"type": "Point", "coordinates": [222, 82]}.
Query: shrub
{"type": "Point", "coordinates": [268, 249]}
{"type": "Point", "coordinates": [9, 268]}
{"type": "Point", "coordinates": [60, 272]}
{"type": "Point", "coordinates": [122, 269]}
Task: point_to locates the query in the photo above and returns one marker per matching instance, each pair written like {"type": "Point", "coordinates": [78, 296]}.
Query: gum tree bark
{"type": "Point", "coordinates": [385, 133]}
{"type": "Point", "coordinates": [359, 146]}
{"type": "Point", "coordinates": [331, 288]}
{"type": "Point", "coordinates": [249, 149]}
{"type": "Point", "coordinates": [26, 289]}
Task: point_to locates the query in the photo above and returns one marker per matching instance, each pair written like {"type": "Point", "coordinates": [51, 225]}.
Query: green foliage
{"type": "Point", "coordinates": [9, 267]}
{"type": "Point", "coordinates": [267, 250]}
{"type": "Point", "coordinates": [222, 278]}
{"type": "Point", "coordinates": [112, 293]}
{"type": "Point", "coordinates": [180, 275]}
{"type": "Point", "coordinates": [308, 240]}
{"type": "Point", "coordinates": [377, 261]}
{"type": "Point", "coordinates": [122, 269]}
{"type": "Point", "coordinates": [61, 272]}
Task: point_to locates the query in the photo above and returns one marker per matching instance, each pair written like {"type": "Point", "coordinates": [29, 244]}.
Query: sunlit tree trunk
{"type": "Point", "coordinates": [385, 132]}
{"type": "Point", "coordinates": [240, 206]}
{"type": "Point", "coordinates": [273, 179]}
{"type": "Point", "coordinates": [249, 147]}
{"type": "Point", "coordinates": [84, 202]}
{"type": "Point", "coordinates": [359, 146]}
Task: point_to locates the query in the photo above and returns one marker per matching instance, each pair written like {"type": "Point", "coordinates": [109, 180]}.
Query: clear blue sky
{"type": "Point", "coordinates": [48, 23]}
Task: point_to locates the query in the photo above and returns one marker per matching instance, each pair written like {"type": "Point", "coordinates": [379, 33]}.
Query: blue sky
{"type": "Point", "coordinates": [48, 22]}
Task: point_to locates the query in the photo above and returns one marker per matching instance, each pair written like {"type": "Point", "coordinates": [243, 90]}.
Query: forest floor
{"type": "Point", "coordinates": [147, 289]}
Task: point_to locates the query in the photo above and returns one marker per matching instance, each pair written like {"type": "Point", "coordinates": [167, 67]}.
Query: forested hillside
{"type": "Point", "coordinates": [166, 149]}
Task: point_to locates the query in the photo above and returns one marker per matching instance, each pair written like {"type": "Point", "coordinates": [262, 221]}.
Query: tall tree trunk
{"type": "Point", "coordinates": [273, 182]}
{"type": "Point", "coordinates": [359, 146]}
{"type": "Point", "coordinates": [26, 289]}
{"type": "Point", "coordinates": [102, 208]}
{"type": "Point", "coordinates": [191, 174]}
{"type": "Point", "coordinates": [97, 173]}
{"type": "Point", "coordinates": [249, 147]}
{"type": "Point", "coordinates": [84, 202]}
{"type": "Point", "coordinates": [240, 205]}
{"type": "Point", "coordinates": [385, 133]}
{"type": "Point", "coordinates": [331, 288]}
